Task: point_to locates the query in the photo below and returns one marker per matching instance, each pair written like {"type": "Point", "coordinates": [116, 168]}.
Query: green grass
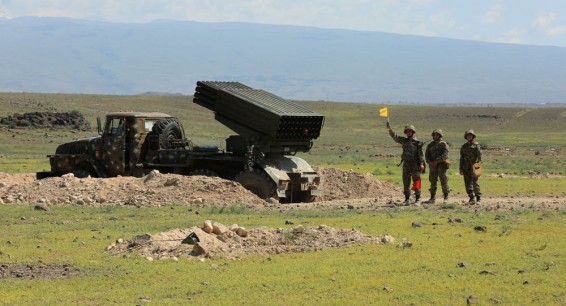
{"type": "Point", "coordinates": [427, 273]}
{"type": "Point", "coordinates": [516, 141]}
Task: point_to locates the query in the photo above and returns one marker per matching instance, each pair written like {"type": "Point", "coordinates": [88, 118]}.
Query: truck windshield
{"type": "Point", "coordinates": [114, 126]}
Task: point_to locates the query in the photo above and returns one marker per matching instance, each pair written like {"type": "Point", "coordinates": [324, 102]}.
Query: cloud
{"type": "Point", "coordinates": [493, 15]}
{"type": "Point", "coordinates": [557, 30]}
{"type": "Point", "coordinates": [545, 23]}
{"type": "Point", "coordinates": [541, 22]}
{"type": "Point", "coordinates": [513, 36]}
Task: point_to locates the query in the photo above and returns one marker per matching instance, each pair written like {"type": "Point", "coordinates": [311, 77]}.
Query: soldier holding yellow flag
{"type": "Point", "coordinates": [411, 158]}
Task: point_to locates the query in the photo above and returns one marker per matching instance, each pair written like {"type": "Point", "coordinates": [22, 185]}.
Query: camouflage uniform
{"type": "Point", "coordinates": [436, 155]}
{"type": "Point", "coordinates": [470, 153]}
{"type": "Point", "coordinates": [412, 159]}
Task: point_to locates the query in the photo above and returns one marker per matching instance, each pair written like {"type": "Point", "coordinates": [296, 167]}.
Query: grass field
{"type": "Point", "coordinates": [519, 260]}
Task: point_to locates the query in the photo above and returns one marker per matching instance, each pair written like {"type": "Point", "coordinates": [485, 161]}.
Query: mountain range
{"type": "Point", "coordinates": [62, 55]}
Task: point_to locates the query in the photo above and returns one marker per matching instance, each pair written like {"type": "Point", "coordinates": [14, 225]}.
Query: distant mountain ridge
{"type": "Point", "coordinates": [60, 55]}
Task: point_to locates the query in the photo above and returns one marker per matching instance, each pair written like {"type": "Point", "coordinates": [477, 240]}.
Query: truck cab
{"type": "Point", "coordinates": [123, 141]}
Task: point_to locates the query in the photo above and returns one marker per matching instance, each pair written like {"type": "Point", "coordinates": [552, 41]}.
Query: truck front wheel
{"type": "Point", "coordinates": [257, 182]}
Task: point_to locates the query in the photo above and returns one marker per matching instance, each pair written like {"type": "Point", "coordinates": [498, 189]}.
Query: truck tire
{"type": "Point", "coordinates": [257, 182]}
{"type": "Point", "coordinates": [303, 197]}
{"type": "Point", "coordinates": [168, 129]}
{"type": "Point", "coordinates": [203, 172]}
{"type": "Point", "coordinates": [82, 173]}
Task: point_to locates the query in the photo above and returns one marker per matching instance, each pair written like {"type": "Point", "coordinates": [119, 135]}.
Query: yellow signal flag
{"type": "Point", "coordinates": [384, 112]}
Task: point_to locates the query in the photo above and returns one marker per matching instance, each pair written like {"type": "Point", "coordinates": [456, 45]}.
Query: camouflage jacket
{"type": "Point", "coordinates": [436, 151]}
{"type": "Point", "coordinates": [469, 153]}
{"type": "Point", "coordinates": [412, 148]}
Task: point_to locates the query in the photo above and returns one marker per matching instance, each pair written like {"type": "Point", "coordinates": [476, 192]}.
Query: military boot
{"type": "Point", "coordinates": [417, 201]}
{"type": "Point", "coordinates": [472, 200]}
{"type": "Point", "coordinates": [478, 200]}
{"type": "Point", "coordinates": [445, 198]}
{"type": "Point", "coordinates": [432, 199]}
{"type": "Point", "coordinates": [407, 202]}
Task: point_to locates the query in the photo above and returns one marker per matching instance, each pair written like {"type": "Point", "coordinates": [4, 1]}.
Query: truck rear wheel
{"type": "Point", "coordinates": [257, 182]}
{"type": "Point", "coordinates": [203, 172]}
{"type": "Point", "coordinates": [168, 129]}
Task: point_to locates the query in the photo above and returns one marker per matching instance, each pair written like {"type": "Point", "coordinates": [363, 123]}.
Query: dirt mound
{"type": "Point", "coordinates": [70, 120]}
{"type": "Point", "coordinates": [7, 180]}
{"type": "Point", "coordinates": [158, 189]}
{"type": "Point", "coordinates": [220, 241]}
{"type": "Point", "coordinates": [339, 185]}
{"type": "Point", "coordinates": [154, 189]}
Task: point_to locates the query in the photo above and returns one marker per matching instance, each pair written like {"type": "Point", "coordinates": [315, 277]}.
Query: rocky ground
{"type": "Point", "coordinates": [70, 120]}
{"type": "Point", "coordinates": [343, 190]}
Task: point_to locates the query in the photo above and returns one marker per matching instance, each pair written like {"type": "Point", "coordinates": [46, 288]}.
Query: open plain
{"type": "Point", "coordinates": [82, 238]}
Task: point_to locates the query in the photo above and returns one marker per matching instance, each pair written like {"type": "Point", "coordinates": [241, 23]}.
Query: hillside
{"type": "Point", "coordinates": [56, 55]}
{"type": "Point", "coordinates": [347, 126]}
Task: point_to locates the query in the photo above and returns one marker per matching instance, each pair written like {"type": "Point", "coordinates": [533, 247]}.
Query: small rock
{"type": "Point", "coordinates": [406, 244]}
{"type": "Point", "coordinates": [242, 232]}
{"type": "Point", "coordinates": [463, 265]}
{"type": "Point", "coordinates": [488, 272]}
{"type": "Point", "coordinates": [207, 228]}
{"type": "Point", "coordinates": [41, 207]}
{"type": "Point", "coordinates": [387, 289]}
{"type": "Point", "coordinates": [272, 201]}
{"type": "Point", "coordinates": [289, 222]}
{"type": "Point", "coordinates": [218, 228]}
{"type": "Point", "coordinates": [455, 220]}
{"type": "Point", "coordinates": [416, 224]}
{"type": "Point", "coordinates": [149, 258]}
{"type": "Point", "coordinates": [472, 300]}
{"type": "Point", "coordinates": [387, 239]}
{"type": "Point", "coordinates": [151, 175]}
{"type": "Point", "coordinates": [172, 182]}
{"type": "Point", "coordinates": [480, 228]}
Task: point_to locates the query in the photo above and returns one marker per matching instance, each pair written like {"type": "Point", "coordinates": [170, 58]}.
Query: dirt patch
{"type": "Point", "coordinates": [70, 120]}
{"type": "Point", "coordinates": [40, 270]}
{"type": "Point", "coordinates": [221, 241]}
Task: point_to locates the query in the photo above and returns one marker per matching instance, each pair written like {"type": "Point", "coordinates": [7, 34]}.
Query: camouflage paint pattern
{"type": "Point", "coordinates": [470, 153]}
{"type": "Point", "coordinates": [437, 151]}
{"type": "Point", "coordinates": [412, 157]}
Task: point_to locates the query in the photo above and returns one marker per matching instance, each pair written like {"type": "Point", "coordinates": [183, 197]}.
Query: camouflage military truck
{"type": "Point", "coordinates": [271, 130]}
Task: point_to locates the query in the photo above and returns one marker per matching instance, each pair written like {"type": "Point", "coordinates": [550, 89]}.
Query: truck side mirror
{"type": "Point", "coordinates": [98, 125]}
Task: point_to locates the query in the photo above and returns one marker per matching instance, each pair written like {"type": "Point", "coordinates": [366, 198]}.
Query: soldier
{"type": "Point", "coordinates": [470, 153]}
{"type": "Point", "coordinates": [412, 160]}
{"type": "Point", "coordinates": [436, 156]}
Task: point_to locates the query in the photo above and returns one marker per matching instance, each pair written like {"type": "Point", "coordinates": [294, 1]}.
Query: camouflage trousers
{"type": "Point", "coordinates": [411, 172]}
{"type": "Point", "coordinates": [435, 173]}
{"type": "Point", "coordinates": [471, 184]}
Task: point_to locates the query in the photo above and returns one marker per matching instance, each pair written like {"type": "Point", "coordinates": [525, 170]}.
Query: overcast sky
{"type": "Point", "coordinates": [532, 22]}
